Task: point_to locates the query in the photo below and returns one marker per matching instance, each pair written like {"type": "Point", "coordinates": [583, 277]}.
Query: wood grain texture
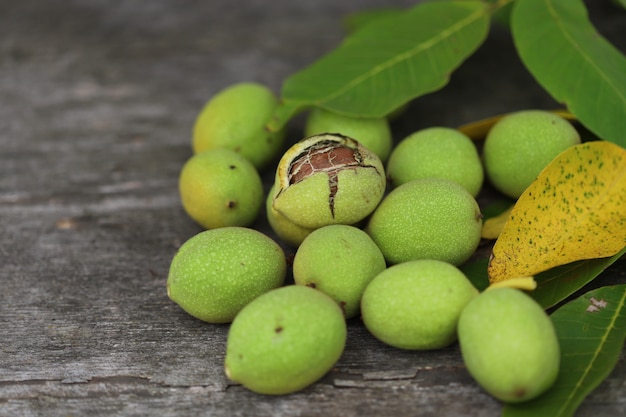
{"type": "Point", "coordinates": [97, 100]}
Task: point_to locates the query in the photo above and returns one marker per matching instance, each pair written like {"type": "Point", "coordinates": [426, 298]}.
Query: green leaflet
{"type": "Point", "coordinates": [389, 62]}
{"type": "Point", "coordinates": [476, 272]}
{"type": "Point", "coordinates": [557, 284]}
{"type": "Point", "coordinates": [574, 63]}
{"type": "Point", "coordinates": [591, 332]}
{"type": "Point", "coordinates": [554, 285]}
{"type": "Point", "coordinates": [358, 20]}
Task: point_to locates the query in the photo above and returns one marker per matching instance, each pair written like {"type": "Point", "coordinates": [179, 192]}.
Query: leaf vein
{"type": "Point", "coordinates": [406, 56]}
{"type": "Point", "coordinates": [595, 354]}
{"type": "Point", "coordinates": [566, 34]}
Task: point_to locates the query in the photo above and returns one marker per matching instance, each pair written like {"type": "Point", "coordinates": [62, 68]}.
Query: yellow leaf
{"type": "Point", "coordinates": [574, 210]}
{"type": "Point", "coordinates": [478, 130]}
{"type": "Point", "coordinates": [493, 226]}
{"type": "Point", "coordinates": [522, 283]}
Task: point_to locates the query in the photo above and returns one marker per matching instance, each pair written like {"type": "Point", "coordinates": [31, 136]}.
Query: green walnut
{"type": "Point", "coordinates": [285, 229]}
{"type": "Point", "coordinates": [440, 152]}
{"type": "Point", "coordinates": [285, 340]}
{"type": "Point", "coordinates": [509, 344]}
{"type": "Point", "coordinates": [340, 261]}
{"type": "Point", "coordinates": [431, 218]}
{"type": "Point", "coordinates": [416, 305]}
{"type": "Point", "coordinates": [217, 272]}
{"type": "Point", "coordinates": [328, 179]}
{"type": "Point", "coordinates": [520, 145]}
{"type": "Point", "coordinates": [373, 133]}
{"type": "Point", "coordinates": [220, 188]}
{"type": "Point", "coordinates": [236, 118]}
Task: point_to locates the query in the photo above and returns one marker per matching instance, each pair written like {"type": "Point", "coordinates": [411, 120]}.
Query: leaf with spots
{"type": "Point", "coordinates": [574, 210]}
{"type": "Point", "coordinates": [591, 331]}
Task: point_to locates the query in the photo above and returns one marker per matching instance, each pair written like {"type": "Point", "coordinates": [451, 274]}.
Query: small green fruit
{"type": "Point", "coordinates": [417, 304]}
{"type": "Point", "coordinates": [285, 229]}
{"type": "Point", "coordinates": [440, 152]}
{"type": "Point", "coordinates": [520, 145]}
{"type": "Point", "coordinates": [432, 218]}
{"type": "Point", "coordinates": [328, 179]}
{"type": "Point", "coordinates": [220, 188]}
{"type": "Point", "coordinates": [340, 261]}
{"type": "Point", "coordinates": [217, 272]}
{"type": "Point", "coordinates": [285, 340]}
{"type": "Point", "coordinates": [373, 133]}
{"type": "Point", "coordinates": [509, 344]}
{"type": "Point", "coordinates": [235, 118]}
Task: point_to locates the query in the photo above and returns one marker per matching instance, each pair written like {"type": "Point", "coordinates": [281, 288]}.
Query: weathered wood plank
{"type": "Point", "coordinates": [97, 99]}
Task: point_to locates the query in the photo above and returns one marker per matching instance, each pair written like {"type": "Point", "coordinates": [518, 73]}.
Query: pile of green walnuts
{"type": "Point", "coordinates": [379, 231]}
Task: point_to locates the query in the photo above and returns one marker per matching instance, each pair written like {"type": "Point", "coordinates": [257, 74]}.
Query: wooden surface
{"type": "Point", "coordinates": [97, 100]}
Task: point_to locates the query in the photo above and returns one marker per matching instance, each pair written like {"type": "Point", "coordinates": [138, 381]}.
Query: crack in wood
{"type": "Point", "coordinates": [391, 375]}
{"type": "Point", "coordinates": [115, 379]}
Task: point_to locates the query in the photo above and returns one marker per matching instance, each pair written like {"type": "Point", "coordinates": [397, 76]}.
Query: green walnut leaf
{"type": "Point", "coordinates": [388, 61]}
{"type": "Point", "coordinates": [476, 271]}
{"type": "Point", "coordinates": [591, 332]}
{"type": "Point", "coordinates": [574, 63]}
{"type": "Point", "coordinates": [358, 20]}
{"type": "Point", "coordinates": [557, 284]}
{"type": "Point", "coordinates": [554, 285]}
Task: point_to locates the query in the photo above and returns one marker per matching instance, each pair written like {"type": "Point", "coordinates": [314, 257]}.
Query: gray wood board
{"type": "Point", "coordinates": [97, 100]}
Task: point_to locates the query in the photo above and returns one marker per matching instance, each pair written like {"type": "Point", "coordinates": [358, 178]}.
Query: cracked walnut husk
{"type": "Point", "coordinates": [328, 179]}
